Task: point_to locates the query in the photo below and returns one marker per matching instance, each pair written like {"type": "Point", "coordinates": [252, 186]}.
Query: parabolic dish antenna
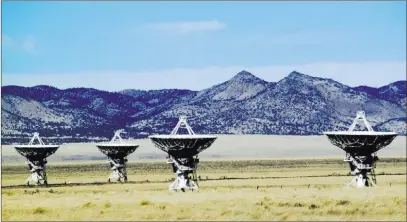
{"type": "Point", "coordinates": [183, 153]}
{"type": "Point", "coordinates": [361, 148]}
{"type": "Point", "coordinates": [117, 155]}
{"type": "Point", "coordinates": [36, 156]}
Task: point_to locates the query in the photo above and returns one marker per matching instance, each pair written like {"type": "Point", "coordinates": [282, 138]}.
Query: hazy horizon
{"type": "Point", "coordinates": [180, 88]}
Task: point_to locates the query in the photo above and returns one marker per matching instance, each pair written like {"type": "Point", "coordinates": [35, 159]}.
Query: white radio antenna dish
{"type": "Point", "coordinates": [183, 153]}
{"type": "Point", "coordinates": [361, 149]}
{"type": "Point", "coordinates": [36, 156]}
{"type": "Point", "coordinates": [117, 155]}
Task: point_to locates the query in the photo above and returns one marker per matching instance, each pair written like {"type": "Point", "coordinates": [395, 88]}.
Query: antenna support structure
{"type": "Point", "coordinates": [36, 160]}
{"type": "Point", "coordinates": [361, 163]}
{"type": "Point", "coordinates": [361, 149]}
{"type": "Point", "coordinates": [117, 163]}
{"type": "Point", "coordinates": [183, 167]}
{"type": "Point", "coordinates": [117, 153]}
{"type": "Point", "coordinates": [183, 153]}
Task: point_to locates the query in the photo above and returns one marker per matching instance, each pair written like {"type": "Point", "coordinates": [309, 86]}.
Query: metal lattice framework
{"type": "Point", "coordinates": [361, 166]}
{"type": "Point", "coordinates": [36, 158]}
{"type": "Point", "coordinates": [183, 153]}
{"type": "Point", "coordinates": [117, 156]}
{"type": "Point", "coordinates": [361, 149]}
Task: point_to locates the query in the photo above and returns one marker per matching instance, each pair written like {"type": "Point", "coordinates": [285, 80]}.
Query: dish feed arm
{"type": "Point", "coordinates": [360, 116]}
{"type": "Point", "coordinates": [182, 123]}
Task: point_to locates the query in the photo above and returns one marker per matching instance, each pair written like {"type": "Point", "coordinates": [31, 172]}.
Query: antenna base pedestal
{"type": "Point", "coordinates": [118, 167]}
{"type": "Point", "coordinates": [362, 180]}
{"type": "Point", "coordinates": [361, 166]}
{"type": "Point", "coordinates": [183, 168]}
{"type": "Point", "coordinates": [38, 172]}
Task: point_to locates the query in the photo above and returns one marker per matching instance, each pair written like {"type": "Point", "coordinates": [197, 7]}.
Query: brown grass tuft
{"type": "Point", "coordinates": [39, 210]}
{"type": "Point", "coordinates": [145, 202]}
{"type": "Point", "coordinates": [313, 206]}
{"type": "Point", "coordinates": [298, 205]}
{"type": "Point", "coordinates": [88, 205]}
{"type": "Point", "coordinates": [107, 204]}
{"type": "Point", "coordinates": [342, 202]}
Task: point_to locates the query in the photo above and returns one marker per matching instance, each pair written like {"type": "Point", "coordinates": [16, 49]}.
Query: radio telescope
{"type": "Point", "coordinates": [361, 149]}
{"type": "Point", "coordinates": [117, 155]}
{"type": "Point", "coordinates": [183, 153]}
{"type": "Point", "coordinates": [36, 156]}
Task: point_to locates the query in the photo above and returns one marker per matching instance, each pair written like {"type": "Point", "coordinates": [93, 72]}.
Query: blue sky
{"type": "Point", "coordinates": [151, 45]}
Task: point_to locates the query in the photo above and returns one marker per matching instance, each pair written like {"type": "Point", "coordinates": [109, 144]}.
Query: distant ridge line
{"type": "Point", "coordinates": [299, 104]}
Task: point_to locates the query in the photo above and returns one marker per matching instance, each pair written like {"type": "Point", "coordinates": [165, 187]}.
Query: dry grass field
{"type": "Point", "coordinates": [300, 189]}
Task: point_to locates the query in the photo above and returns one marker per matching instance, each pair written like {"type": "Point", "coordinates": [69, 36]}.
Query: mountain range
{"type": "Point", "coordinates": [298, 104]}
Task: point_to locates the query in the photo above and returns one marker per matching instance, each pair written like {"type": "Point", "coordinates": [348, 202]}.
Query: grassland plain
{"type": "Point", "coordinates": [275, 189]}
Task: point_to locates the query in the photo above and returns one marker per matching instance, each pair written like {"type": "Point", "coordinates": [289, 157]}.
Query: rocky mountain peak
{"type": "Point", "coordinates": [297, 75]}
{"type": "Point", "coordinates": [246, 77]}
{"type": "Point", "coordinates": [242, 86]}
{"type": "Point", "coordinates": [244, 74]}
